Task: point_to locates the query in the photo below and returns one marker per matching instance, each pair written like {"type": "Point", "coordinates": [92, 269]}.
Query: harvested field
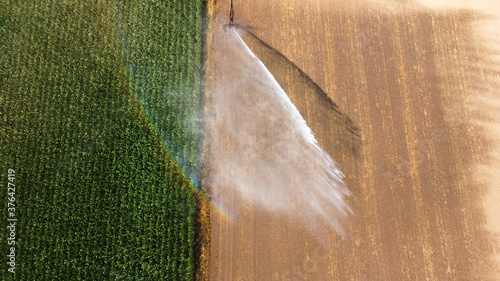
{"type": "Point", "coordinates": [411, 118]}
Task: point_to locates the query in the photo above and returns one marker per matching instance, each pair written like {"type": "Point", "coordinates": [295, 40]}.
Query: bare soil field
{"type": "Point", "coordinates": [403, 97]}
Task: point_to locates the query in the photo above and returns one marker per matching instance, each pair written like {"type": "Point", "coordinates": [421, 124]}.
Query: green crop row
{"type": "Point", "coordinates": [98, 194]}
{"type": "Point", "coordinates": [162, 47]}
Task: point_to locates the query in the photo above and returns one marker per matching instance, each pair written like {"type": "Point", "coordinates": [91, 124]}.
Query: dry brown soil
{"type": "Point", "coordinates": [406, 76]}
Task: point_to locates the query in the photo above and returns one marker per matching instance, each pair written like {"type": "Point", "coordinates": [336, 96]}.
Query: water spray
{"type": "Point", "coordinates": [262, 151]}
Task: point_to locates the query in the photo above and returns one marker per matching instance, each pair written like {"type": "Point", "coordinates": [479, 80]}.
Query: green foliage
{"type": "Point", "coordinates": [99, 196]}
{"type": "Point", "coordinates": [162, 46]}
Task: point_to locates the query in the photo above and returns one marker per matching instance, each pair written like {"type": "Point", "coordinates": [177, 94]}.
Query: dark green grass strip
{"type": "Point", "coordinates": [98, 196]}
